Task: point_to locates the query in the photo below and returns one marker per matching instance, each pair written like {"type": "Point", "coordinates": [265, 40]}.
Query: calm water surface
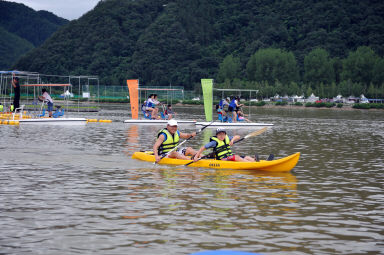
{"type": "Point", "coordinates": [76, 190]}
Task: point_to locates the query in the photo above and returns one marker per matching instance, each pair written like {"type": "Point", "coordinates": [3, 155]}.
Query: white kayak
{"type": "Point", "coordinates": [233, 124]}
{"type": "Point", "coordinates": [54, 121]}
{"type": "Point", "coordinates": [158, 122]}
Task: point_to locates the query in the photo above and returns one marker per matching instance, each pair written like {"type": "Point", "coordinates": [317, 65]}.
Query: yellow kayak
{"type": "Point", "coordinates": [277, 165]}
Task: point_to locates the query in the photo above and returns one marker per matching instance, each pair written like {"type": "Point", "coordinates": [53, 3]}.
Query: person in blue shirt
{"type": "Point", "coordinates": [223, 102]}
{"type": "Point", "coordinates": [220, 108]}
{"type": "Point", "coordinates": [234, 105]}
{"type": "Point", "coordinates": [151, 106]}
{"type": "Point", "coordinates": [221, 145]}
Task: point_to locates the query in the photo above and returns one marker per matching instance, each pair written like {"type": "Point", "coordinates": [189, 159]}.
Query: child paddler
{"type": "Point", "coordinates": [168, 138]}
{"type": "Point", "coordinates": [221, 145]}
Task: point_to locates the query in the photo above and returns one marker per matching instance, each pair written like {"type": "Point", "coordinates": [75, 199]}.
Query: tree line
{"type": "Point", "coordinates": [275, 71]}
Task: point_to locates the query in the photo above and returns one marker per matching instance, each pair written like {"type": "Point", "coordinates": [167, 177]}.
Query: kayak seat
{"type": "Point", "coordinates": [239, 119]}
{"type": "Point", "coordinates": [220, 117]}
{"type": "Point", "coordinates": [270, 157]}
{"type": "Point", "coordinates": [42, 113]}
{"type": "Point", "coordinates": [58, 112]}
{"type": "Point", "coordinates": [147, 115]}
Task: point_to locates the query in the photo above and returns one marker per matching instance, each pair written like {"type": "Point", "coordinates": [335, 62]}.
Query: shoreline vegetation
{"type": "Point", "coordinates": [338, 106]}
{"type": "Point", "coordinates": [262, 104]}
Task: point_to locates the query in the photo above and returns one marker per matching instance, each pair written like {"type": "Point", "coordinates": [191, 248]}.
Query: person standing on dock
{"type": "Point", "coordinates": [47, 98]}
{"type": "Point", "coordinates": [16, 89]}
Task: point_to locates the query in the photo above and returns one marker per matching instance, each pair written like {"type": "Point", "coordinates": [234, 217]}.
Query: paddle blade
{"type": "Point", "coordinates": [257, 132]}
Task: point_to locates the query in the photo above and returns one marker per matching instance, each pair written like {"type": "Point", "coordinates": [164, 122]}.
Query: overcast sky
{"type": "Point", "coordinates": [68, 9]}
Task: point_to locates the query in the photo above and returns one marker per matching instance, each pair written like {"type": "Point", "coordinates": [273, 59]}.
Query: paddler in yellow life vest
{"type": "Point", "coordinates": [168, 138]}
{"type": "Point", "coordinates": [1, 107]}
{"type": "Point", "coordinates": [221, 145]}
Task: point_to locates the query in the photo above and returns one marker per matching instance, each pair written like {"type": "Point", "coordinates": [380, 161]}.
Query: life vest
{"type": "Point", "coordinates": [12, 107]}
{"type": "Point", "coordinates": [1, 107]}
{"type": "Point", "coordinates": [168, 144]}
{"type": "Point", "coordinates": [222, 149]}
{"type": "Point", "coordinates": [233, 104]}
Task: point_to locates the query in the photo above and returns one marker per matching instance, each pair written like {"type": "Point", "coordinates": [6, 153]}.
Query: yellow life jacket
{"type": "Point", "coordinates": [222, 149]}
{"type": "Point", "coordinates": [1, 107]}
{"type": "Point", "coordinates": [168, 144]}
{"type": "Point", "coordinates": [12, 107]}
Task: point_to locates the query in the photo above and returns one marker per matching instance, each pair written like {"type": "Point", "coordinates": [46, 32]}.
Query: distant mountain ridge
{"type": "Point", "coordinates": [22, 29]}
{"type": "Point", "coordinates": [178, 42]}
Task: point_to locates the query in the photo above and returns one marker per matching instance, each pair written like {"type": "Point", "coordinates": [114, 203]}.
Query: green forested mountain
{"type": "Point", "coordinates": [11, 48]}
{"type": "Point", "coordinates": [178, 42]}
{"type": "Point", "coordinates": [21, 29]}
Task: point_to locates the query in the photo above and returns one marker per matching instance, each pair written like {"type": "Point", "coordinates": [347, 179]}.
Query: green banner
{"type": "Point", "coordinates": [207, 86]}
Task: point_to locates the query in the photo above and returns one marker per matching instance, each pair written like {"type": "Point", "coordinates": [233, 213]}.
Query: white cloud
{"type": "Point", "coordinates": [68, 9]}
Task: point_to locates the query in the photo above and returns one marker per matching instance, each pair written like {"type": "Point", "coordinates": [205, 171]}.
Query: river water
{"type": "Point", "coordinates": [76, 190]}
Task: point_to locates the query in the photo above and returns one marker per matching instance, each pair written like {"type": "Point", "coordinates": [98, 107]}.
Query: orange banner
{"type": "Point", "coordinates": [133, 86]}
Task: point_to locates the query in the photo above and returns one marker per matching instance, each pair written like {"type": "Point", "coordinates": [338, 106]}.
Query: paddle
{"type": "Point", "coordinates": [255, 133]}
{"type": "Point", "coordinates": [201, 129]}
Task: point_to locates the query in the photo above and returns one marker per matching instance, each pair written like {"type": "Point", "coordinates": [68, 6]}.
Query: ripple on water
{"type": "Point", "coordinates": [80, 192]}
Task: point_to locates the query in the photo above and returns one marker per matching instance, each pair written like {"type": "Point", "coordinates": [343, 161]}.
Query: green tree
{"type": "Point", "coordinates": [229, 68]}
{"type": "Point", "coordinates": [359, 65]}
{"type": "Point", "coordinates": [378, 72]}
{"type": "Point", "coordinates": [337, 66]}
{"type": "Point", "coordinates": [318, 67]}
{"type": "Point", "coordinates": [271, 65]}
{"type": "Point", "coordinates": [371, 92]}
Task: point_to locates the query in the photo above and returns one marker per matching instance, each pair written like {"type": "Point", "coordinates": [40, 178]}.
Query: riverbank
{"type": "Point", "coordinates": [345, 107]}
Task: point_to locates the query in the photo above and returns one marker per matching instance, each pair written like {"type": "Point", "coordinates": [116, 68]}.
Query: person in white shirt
{"type": "Point", "coordinates": [47, 98]}
{"type": "Point", "coordinates": [151, 106]}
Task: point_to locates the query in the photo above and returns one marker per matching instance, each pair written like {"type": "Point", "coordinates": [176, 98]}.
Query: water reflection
{"type": "Point", "coordinates": [220, 190]}
{"type": "Point", "coordinates": [132, 140]}
{"type": "Point", "coordinates": [65, 190]}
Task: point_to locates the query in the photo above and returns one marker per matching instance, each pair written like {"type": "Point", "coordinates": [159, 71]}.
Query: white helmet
{"type": "Point", "coordinates": [172, 122]}
{"type": "Point", "coordinates": [220, 130]}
